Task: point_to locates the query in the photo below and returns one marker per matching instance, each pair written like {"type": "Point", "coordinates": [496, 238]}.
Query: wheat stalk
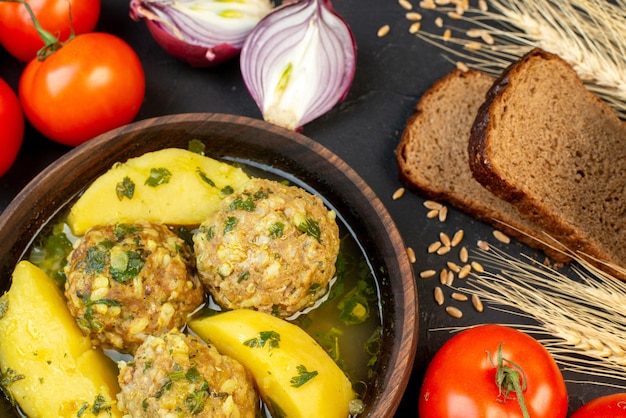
{"type": "Point", "coordinates": [588, 34]}
{"type": "Point", "coordinates": [582, 321]}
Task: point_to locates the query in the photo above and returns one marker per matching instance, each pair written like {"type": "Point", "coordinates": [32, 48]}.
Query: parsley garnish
{"type": "Point", "coordinates": [96, 258]}
{"type": "Point", "coordinates": [7, 378]}
{"type": "Point", "coordinates": [311, 228]}
{"type": "Point", "coordinates": [121, 231]}
{"type": "Point", "coordinates": [271, 338]}
{"type": "Point", "coordinates": [196, 146]}
{"type": "Point", "coordinates": [230, 224]}
{"type": "Point", "coordinates": [125, 189]}
{"type": "Point", "coordinates": [243, 276]}
{"type": "Point", "coordinates": [240, 204]}
{"type": "Point", "coordinates": [100, 404]}
{"type": "Point", "coordinates": [129, 267]}
{"type": "Point", "coordinates": [195, 400]}
{"type": "Point", "coordinates": [88, 316]}
{"type": "Point", "coordinates": [227, 190]}
{"type": "Point", "coordinates": [205, 178]}
{"type": "Point", "coordinates": [261, 194]}
{"type": "Point", "coordinates": [158, 176]}
{"type": "Point", "coordinates": [303, 376]}
{"type": "Point", "coordinates": [276, 230]}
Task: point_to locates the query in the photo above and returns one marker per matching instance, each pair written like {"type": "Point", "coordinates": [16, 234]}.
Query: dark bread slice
{"type": "Point", "coordinates": [432, 155]}
{"type": "Point", "coordinates": [557, 152]}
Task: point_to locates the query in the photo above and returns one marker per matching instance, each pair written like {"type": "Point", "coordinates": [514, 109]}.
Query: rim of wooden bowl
{"type": "Point", "coordinates": [254, 140]}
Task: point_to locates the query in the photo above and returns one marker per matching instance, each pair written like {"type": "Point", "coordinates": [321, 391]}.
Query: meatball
{"type": "Point", "coordinates": [178, 375]}
{"type": "Point", "coordinates": [269, 247]}
{"type": "Point", "coordinates": [128, 281]}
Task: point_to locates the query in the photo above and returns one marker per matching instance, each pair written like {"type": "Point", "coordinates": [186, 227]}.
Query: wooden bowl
{"type": "Point", "coordinates": [234, 138]}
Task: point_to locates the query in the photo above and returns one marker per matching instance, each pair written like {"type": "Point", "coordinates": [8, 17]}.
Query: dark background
{"type": "Point", "coordinates": [392, 73]}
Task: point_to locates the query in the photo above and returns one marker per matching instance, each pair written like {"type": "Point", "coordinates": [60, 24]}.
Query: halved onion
{"type": "Point", "coordinates": [299, 62]}
{"type": "Point", "coordinates": [201, 32]}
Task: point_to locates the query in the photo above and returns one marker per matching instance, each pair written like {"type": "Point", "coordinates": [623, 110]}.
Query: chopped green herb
{"type": "Point", "coordinates": [196, 146]}
{"type": "Point", "coordinates": [195, 401]}
{"type": "Point", "coordinates": [158, 176]}
{"type": "Point", "coordinates": [227, 190]}
{"type": "Point", "coordinates": [165, 387]}
{"type": "Point", "coordinates": [330, 342]}
{"type": "Point", "coordinates": [240, 204]}
{"type": "Point", "coordinates": [276, 230]}
{"type": "Point", "coordinates": [311, 228]}
{"type": "Point", "coordinates": [100, 404]}
{"type": "Point", "coordinates": [6, 380]}
{"type": "Point", "coordinates": [125, 189]}
{"type": "Point", "coordinates": [186, 235]}
{"type": "Point", "coordinates": [121, 231]}
{"type": "Point", "coordinates": [193, 375]}
{"type": "Point", "coordinates": [177, 375]}
{"type": "Point", "coordinates": [230, 224]}
{"type": "Point", "coordinates": [271, 338]}
{"type": "Point", "coordinates": [261, 194]}
{"type": "Point", "coordinates": [82, 410]}
{"type": "Point", "coordinates": [50, 253]}
{"type": "Point", "coordinates": [87, 322]}
{"type": "Point", "coordinates": [243, 276]}
{"type": "Point", "coordinates": [128, 267]}
{"type": "Point", "coordinates": [144, 404]}
{"type": "Point", "coordinates": [209, 232]}
{"type": "Point", "coordinates": [354, 305]}
{"type": "Point", "coordinates": [303, 376]}
{"type": "Point", "coordinates": [96, 258]}
{"type": "Point", "coordinates": [205, 178]}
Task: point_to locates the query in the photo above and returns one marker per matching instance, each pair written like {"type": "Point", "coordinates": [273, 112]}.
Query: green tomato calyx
{"type": "Point", "coordinates": [510, 377]}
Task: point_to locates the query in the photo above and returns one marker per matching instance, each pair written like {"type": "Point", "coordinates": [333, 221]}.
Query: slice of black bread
{"type": "Point", "coordinates": [544, 143]}
{"type": "Point", "coordinates": [432, 155]}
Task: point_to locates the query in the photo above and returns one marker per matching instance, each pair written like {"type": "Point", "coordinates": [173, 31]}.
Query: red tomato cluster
{"type": "Point", "coordinates": [76, 83]}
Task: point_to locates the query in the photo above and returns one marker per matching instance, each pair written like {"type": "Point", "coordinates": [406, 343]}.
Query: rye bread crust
{"type": "Point", "coordinates": [432, 156]}
{"type": "Point", "coordinates": [568, 175]}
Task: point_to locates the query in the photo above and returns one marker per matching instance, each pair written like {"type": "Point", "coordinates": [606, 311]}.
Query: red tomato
{"type": "Point", "coordinates": [460, 381]}
{"type": "Point", "coordinates": [12, 123]}
{"type": "Point", "coordinates": [93, 84]}
{"type": "Point", "coordinates": [610, 406]}
{"type": "Point", "coordinates": [19, 36]}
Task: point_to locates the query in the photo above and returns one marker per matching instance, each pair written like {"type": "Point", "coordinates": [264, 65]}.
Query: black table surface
{"type": "Point", "coordinates": [392, 73]}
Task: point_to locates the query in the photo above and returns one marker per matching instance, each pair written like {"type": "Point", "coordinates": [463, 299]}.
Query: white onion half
{"type": "Point", "coordinates": [299, 62]}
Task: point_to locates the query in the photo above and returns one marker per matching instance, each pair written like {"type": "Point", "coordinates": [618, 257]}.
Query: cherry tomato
{"type": "Point", "coordinates": [460, 381]}
{"type": "Point", "coordinates": [609, 406]}
{"type": "Point", "coordinates": [19, 36]}
{"type": "Point", "coordinates": [93, 84]}
{"type": "Point", "coordinates": [12, 123]}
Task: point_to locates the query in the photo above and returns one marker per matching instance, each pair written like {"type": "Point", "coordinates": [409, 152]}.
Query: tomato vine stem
{"type": "Point", "coordinates": [51, 42]}
{"type": "Point", "coordinates": [510, 377]}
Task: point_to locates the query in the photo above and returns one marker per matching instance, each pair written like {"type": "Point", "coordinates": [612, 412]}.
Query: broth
{"type": "Point", "coordinates": [348, 324]}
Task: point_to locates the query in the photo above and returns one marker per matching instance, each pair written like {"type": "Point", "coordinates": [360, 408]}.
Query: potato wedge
{"type": "Point", "coordinates": [48, 366]}
{"type": "Point", "coordinates": [294, 374]}
{"type": "Point", "coordinates": [170, 186]}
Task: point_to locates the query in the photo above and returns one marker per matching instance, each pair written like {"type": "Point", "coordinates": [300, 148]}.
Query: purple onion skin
{"type": "Point", "coordinates": [195, 55]}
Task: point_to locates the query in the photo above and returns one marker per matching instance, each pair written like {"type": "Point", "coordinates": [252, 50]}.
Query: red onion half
{"type": "Point", "coordinates": [202, 33]}
{"type": "Point", "coordinates": [299, 62]}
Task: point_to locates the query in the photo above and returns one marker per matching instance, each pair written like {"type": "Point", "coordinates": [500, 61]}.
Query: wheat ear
{"type": "Point", "coordinates": [583, 320]}
{"type": "Point", "coordinates": [588, 34]}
